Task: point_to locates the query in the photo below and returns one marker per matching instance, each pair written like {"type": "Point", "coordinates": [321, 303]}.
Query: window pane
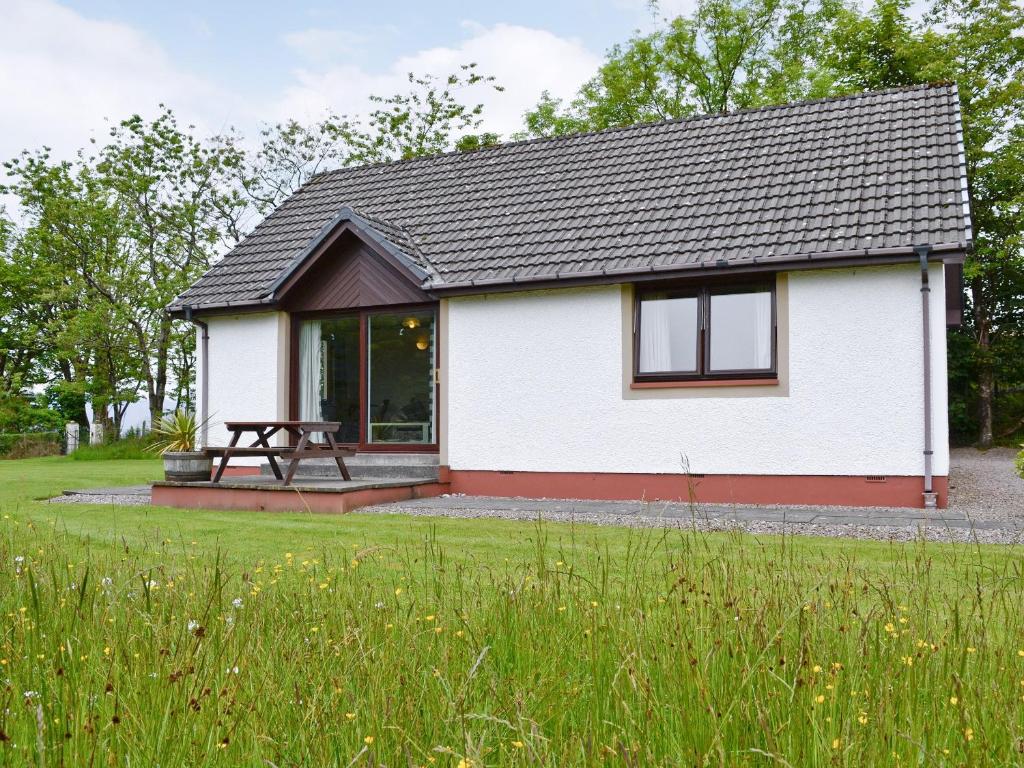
{"type": "Point", "coordinates": [741, 331]}
{"type": "Point", "coordinates": [668, 335]}
{"type": "Point", "coordinates": [401, 378]}
{"type": "Point", "coordinates": [329, 374]}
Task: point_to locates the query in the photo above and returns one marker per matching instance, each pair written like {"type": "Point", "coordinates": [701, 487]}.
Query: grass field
{"type": "Point", "coordinates": [141, 636]}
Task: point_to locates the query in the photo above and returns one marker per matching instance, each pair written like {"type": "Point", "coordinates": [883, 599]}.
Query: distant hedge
{"type": "Point", "coordinates": [26, 445]}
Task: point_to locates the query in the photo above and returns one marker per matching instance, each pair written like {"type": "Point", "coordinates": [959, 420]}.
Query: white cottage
{"type": "Point", "coordinates": [745, 308]}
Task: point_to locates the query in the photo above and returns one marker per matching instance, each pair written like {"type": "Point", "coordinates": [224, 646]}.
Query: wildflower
{"type": "Point", "coordinates": [836, 743]}
{"type": "Point", "coordinates": [890, 627]}
{"type": "Point", "coordinates": [231, 671]}
{"type": "Point", "coordinates": [368, 740]}
{"type": "Point", "coordinates": [350, 715]}
{"type": "Point", "coordinates": [517, 744]}
{"type": "Point", "coordinates": [971, 649]}
{"type": "Point", "coordinates": [1020, 652]}
{"type": "Point", "coordinates": [969, 734]}
{"type": "Point", "coordinates": [193, 625]}
{"type": "Point", "coordinates": [460, 633]}
{"type": "Point", "coordinates": [593, 603]}
{"type": "Point", "coordinates": [107, 582]}
{"type": "Point", "coordinates": [820, 699]}
{"type": "Point", "coordinates": [106, 651]}
{"type": "Point", "coordinates": [816, 669]}
{"type": "Point", "coordinates": [429, 618]}
{"type": "Point", "coordinates": [237, 602]}
{"type": "Point", "coordinates": [29, 695]}
{"type": "Point", "coordinates": [862, 718]}
{"type": "Point", "coordinates": [378, 605]}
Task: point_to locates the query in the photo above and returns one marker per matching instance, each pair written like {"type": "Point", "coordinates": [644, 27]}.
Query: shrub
{"type": "Point", "coordinates": [1020, 463]}
{"type": "Point", "coordinates": [27, 445]}
{"type": "Point", "coordinates": [133, 446]}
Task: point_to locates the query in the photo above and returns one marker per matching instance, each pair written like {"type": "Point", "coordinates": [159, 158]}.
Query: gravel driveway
{"type": "Point", "coordinates": [986, 504]}
{"type": "Point", "coordinates": [983, 485]}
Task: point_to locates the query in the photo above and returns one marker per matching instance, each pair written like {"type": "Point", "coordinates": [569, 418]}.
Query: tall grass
{"type": "Point", "coordinates": [128, 447]}
{"type": "Point", "coordinates": [681, 650]}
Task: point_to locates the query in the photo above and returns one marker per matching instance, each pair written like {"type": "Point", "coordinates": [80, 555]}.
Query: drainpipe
{"type": "Point", "coordinates": [204, 384]}
{"type": "Point", "coordinates": [930, 500]}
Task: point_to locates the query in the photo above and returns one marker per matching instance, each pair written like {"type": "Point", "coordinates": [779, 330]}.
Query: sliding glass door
{"type": "Point", "coordinates": [374, 372]}
{"type": "Point", "coordinates": [400, 407]}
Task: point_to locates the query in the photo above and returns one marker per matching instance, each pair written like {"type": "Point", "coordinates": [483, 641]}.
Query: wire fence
{"type": "Point", "coordinates": [26, 445]}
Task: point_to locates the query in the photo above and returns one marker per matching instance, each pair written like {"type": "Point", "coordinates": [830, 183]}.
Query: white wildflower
{"type": "Point", "coordinates": [29, 695]}
{"type": "Point", "coordinates": [193, 625]}
{"type": "Point", "coordinates": [107, 582]}
{"type": "Point", "coordinates": [378, 605]}
{"type": "Point", "coordinates": [237, 602]}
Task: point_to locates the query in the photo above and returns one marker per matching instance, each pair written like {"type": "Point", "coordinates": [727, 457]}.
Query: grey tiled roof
{"type": "Point", "coordinates": [853, 175]}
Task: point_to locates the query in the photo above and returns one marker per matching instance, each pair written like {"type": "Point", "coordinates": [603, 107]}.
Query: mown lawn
{"type": "Point", "coordinates": [142, 636]}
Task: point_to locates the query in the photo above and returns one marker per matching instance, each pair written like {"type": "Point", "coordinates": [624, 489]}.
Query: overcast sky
{"type": "Point", "coordinates": [65, 66]}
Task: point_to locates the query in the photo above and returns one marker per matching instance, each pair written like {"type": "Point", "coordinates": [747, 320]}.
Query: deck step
{"type": "Point", "coordinates": [372, 466]}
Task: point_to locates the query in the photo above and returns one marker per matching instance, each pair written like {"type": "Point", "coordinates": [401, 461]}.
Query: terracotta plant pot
{"type": "Point", "coordinates": [187, 466]}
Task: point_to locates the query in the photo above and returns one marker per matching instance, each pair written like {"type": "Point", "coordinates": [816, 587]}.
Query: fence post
{"type": "Point", "coordinates": [71, 428]}
{"type": "Point", "coordinates": [96, 434]}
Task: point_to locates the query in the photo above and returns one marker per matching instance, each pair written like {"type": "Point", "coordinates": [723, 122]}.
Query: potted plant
{"type": "Point", "coordinates": [177, 444]}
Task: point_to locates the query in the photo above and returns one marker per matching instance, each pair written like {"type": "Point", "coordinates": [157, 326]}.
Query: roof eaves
{"type": "Point", "coordinates": [861, 255]}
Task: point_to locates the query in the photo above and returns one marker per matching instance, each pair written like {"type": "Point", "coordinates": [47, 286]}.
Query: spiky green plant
{"type": "Point", "coordinates": [176, 432]}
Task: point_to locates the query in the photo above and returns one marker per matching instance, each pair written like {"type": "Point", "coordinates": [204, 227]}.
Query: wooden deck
{"type": "Point", "coordinates": [305, 494]}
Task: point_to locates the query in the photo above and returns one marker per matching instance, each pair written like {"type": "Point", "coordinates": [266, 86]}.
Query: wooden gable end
{"type": "Point", "coordinates": [349, 274]}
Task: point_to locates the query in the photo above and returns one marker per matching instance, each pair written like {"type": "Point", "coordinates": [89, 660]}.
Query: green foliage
{"type": "Point", "coordinates": [1019, 463]}
{"type": "Point", "coordinates": [134, 447]}
{"type": "Point", "coordinates": [176, 432]}
{"type": "Point", "coordinates": [425, 120]}
{"type": "Point", "coordinates": [21, 413]}
{"type": "Point", "coordinates": [730, 54]}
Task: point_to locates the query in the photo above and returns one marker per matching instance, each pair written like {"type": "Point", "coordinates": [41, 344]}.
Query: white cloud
{"type": "Point", "coordinates": [524, 60]}
{"type": "Point", "coordinates": [324, 47]}
{"type": "Point", "coordinates": [61, 74]}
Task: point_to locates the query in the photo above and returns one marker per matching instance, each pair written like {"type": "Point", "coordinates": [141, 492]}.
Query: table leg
{"type": "Point", "coordinates": [227, 456]}
{"type": "Point", "coordinates": [263, 440]}
{"type": "Point", "coordinates": [338, 459]}
{"type": "Point", "coordinates": [294, 463]}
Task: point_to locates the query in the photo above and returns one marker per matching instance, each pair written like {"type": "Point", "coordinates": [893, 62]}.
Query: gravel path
{"type": "Point", "coordinates": [983, 485]}
{"type": "Point", "coordinates": [986, 504]}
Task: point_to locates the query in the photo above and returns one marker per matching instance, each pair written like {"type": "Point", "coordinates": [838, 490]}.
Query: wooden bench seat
{"type": "Point", "coordinates": [244, 451]}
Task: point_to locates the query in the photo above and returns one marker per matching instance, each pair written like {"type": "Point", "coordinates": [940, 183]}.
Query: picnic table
{"type": "Point", "coordinates": [304, 448]}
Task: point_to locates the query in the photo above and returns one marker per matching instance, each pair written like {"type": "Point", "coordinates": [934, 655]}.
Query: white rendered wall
{"type": "Point", "coordinates": [535, 383]}
{"type": "Point", "coordinates": [247, 379]}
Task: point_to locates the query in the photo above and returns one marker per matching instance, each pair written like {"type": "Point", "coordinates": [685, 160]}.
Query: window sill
{"type": "Point", "coordinates": [704, 383]}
